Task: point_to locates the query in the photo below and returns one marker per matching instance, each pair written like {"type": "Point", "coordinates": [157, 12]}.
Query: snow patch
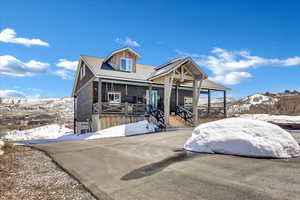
{"type": "Point", "coordinates": [43, 132]}
{"type": "Point", "coordinates": [284, 119]}
{"type": "Point", "coordinates": [136, 128]}
{"type": "Point", "coordinates": [244, 137]}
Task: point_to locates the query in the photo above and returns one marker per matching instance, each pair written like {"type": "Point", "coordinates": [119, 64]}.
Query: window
{"type": "Point", "coordinates": [82, 71]}
{"type": "Point", "coordinates": [126, 64]}
{"type": "Point", "coordinates": [188, 101]}
{"type": "Point", "coordinates": [114, 97]}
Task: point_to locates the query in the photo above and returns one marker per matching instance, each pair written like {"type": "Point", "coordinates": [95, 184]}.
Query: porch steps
{"type": "Point", "coordinates": [178, 122]}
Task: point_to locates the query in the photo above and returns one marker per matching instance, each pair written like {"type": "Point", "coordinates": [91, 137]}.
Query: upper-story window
{"type": "Point", "coordinates": [82, 71]}
{"type": "Point", "coordinates": [126, 64]}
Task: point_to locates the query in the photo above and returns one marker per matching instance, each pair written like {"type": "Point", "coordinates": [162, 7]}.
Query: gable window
{"type": "Point", "coordinates": [82, 71]}
{"type": "Point", "coordinates": [126, 64]}
{"type": "Point", "coordinates": [114, 97]}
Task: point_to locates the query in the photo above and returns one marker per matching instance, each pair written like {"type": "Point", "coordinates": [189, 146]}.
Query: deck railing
{"type": "Point", "coordinates": [214, 111]}
{"type": "Point", "coordinates": [119, 108]}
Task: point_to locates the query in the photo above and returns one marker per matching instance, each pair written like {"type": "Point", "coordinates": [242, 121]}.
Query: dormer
{"type": "Point", "coordinates": [123, 59]}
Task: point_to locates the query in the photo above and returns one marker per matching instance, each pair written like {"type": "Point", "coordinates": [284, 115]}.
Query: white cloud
{"type": "Point", "coordinates": [232, 77]}
{"type": "Point", "coordinates": [70, 65]}
{"type": "Point", "coordinates": [128, 42]}
{"type": "Point", "coordinates": [11, 66]}
{"type": "Point", "coordinates": [229, 67]}
{"type": "Point", "coordinates": [9, 36]}
{"type": "Point", "coordinates": [11, 93]}
{"type": "Point", "coordinates": [64, 74]}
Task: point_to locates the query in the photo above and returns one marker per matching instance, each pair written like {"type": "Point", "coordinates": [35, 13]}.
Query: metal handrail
{"type": "Point", "coordinates": [185, 114]}
{"type": "Point", "coordinates": [158, 116]}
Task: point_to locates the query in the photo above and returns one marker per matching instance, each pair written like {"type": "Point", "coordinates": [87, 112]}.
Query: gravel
{"type": "Point", "coordinates": [30, 174]}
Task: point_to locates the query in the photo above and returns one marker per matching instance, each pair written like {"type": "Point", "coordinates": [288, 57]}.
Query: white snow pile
{"type": "Point", "coordinates": [284, 119]}
{"type": "Point", "coordinates": [137, 128]}
{"type": "Point", "coordinates": [1, 145]}
{"type": "Point", "coordinates": [44, 132]}
{"type": "Point", "coordinates": [244, 137]}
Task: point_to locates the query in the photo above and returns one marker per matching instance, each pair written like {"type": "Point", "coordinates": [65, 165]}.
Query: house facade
{"type": "Point", "coordinates": [116, 89]}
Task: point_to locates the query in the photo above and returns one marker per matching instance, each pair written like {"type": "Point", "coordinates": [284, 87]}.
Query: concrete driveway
{"type": "Point", "coordinates": [153, 167]}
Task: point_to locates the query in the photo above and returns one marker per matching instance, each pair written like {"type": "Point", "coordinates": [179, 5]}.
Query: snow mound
{"type": "Point", "coordinates": [1, 145]}
{"type": "Point", "coordinates": [244, 137]}
{"type": "Point", "coordinates": [43, 132]}
{"type": "Point", "coordinates": [137, 128]}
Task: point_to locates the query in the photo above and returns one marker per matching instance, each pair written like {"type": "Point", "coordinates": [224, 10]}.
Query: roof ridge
{"type": "Point", "coordinates": [91, 56]}
{"type": "Point", "coordinates": [170, 62]}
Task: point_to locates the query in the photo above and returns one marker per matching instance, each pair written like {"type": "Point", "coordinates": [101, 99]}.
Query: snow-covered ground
{"type": "Point", "coordinates": [244, 137]}
{"type": "Point", "coordinates": [34, 101]}
{"type": "Point", "coordinates": [1, 145]}
{"type": "Point", "coordinates": [44, 132]}
{"type": "Point", "coordinates": [284, 119]}
{"type": "Point", "coordinates": [136, 128]}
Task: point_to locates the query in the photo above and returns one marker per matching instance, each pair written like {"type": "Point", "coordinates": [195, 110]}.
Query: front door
{"type": "Point", "coordinates": [154, 98]}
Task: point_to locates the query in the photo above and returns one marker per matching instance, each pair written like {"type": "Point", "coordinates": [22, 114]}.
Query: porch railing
{"type": "Point", "coordinates": [119, 108]}
{"type": "Point", "coordinates": [214, 111]}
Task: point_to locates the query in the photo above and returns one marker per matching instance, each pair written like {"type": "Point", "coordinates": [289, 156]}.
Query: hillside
{"type": "Point", "coordinates": [24, 113]}
{"type": "Point", "coordinates": [286, 103]}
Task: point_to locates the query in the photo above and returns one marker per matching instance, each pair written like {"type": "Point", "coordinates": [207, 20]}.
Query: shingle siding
{"type": "Point", "coordinates": [88, 75]}
{"type": "Point", "coordinates": [84, 103]}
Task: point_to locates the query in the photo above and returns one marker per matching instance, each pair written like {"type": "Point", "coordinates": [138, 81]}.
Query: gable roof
{"type": "Point", "coordinates": [142, 74]}
{"type": "Point", "coordinates": [173, 65]}
{"type": "Point", "coordinates": [99, 68]}
{"type": "Point", "coordinates": [119, 50]}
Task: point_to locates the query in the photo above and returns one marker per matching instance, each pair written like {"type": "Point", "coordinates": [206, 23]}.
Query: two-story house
{"type": "Point", "coordinates": [116, 89]}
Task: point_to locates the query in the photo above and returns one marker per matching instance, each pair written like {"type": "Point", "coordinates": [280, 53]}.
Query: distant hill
{"type": "Point", "coordinates": [284, 103]}
{"type": "Point", "coordinates": [25, 113]}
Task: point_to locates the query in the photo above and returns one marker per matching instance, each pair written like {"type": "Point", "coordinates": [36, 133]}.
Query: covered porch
{"type": "Point", "coordinates": [183, 72]}
{"type": "Point", "coordinates": [172, 90]}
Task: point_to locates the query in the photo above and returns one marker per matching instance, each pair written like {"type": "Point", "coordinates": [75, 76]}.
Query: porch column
{"type": "Point", "coordinates": [100, 95]}
{"type": "Point", "coordinates": [176, 94]}
{"type": "Point", "coordinates": [225, 104]}
{"type": "Point", "coordinates": [208, 103]}
{"type": "Point", "coordinates": [168, 82]}
{"type": "Point", "coordinates": [196, 93]}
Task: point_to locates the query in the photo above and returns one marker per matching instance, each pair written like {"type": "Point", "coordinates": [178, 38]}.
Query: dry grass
{"type": "Point", "coordinates": [30, 174]}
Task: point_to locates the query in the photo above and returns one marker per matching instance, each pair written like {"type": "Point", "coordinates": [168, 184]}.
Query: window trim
{"type": "Point", "coordinates": [126, 60]}
{"type": "Point", "coordinates": [114, 93]}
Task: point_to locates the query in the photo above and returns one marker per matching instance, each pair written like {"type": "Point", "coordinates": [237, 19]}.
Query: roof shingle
{"type": "Point", "coordinates": [143, 72]}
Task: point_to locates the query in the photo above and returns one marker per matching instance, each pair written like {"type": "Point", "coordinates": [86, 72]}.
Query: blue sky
{"type": "Point", "coordinates": [249, 46]}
